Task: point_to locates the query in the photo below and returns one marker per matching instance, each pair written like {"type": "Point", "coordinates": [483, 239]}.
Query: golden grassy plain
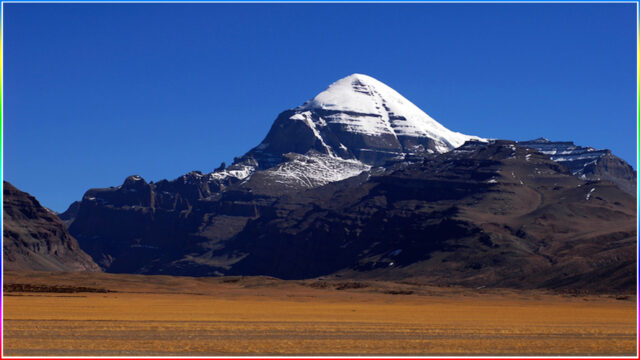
{"type": "Point", "coordinates": [179, 316]}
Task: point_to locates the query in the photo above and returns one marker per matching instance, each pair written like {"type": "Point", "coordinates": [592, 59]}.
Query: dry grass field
{"type": "Point", "coordinates": [175, 316]}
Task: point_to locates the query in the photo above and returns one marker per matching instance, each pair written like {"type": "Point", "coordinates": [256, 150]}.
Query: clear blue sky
{"type": "Point", "coordinates": [96, 92]}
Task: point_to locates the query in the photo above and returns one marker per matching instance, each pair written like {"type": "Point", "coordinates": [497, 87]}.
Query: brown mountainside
{"type": "Point", "coordinates": [34, 238]}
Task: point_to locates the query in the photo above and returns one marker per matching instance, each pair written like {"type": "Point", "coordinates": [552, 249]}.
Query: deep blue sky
{"type": "Point", "coordinates": [96, 92]}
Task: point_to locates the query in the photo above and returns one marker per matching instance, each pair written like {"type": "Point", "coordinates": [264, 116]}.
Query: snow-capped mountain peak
{"type": "Point", "coordinates": [356, 92]}
{"type": "Point", "coordinates": [357, 123]}
{"type": "Point", "coordinates": [383, 111]}
{"type": "Point", "coordinates": [356, 118]}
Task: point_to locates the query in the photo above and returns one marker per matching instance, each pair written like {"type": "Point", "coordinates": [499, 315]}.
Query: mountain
{"type": "Point", "coordinates": [354, 125]}
{"type": "Point", "coordinates": [35, 239]}
{"type": "Point", "coordinates": [358, 182]}
{"type": "Point", "coordinates": [485, 214]}
{"type": "Point", "coordinates": [357, 117]}
{"type": "Point", "coordinates": [587, 162]}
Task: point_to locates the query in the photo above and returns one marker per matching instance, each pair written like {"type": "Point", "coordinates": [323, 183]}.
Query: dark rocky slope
{"type": "Point", "coordinates": [482, 215]}
{"type": "Point", "coordinates": [34, 238]}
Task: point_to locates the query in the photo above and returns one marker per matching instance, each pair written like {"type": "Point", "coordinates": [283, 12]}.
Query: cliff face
{"type": "Point", "coordinates": [588, 163]}
{"type": "Point", "coordinates": [34, 238]}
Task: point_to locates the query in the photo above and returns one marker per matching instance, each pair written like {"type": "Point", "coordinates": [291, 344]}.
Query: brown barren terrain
{"type": "Point", "coordinates": [96, 314]}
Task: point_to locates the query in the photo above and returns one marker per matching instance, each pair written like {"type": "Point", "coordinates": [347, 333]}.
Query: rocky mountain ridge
{"type": "Point", "coordinates": [588, 163]}
{"type": "Point", "coordinates": [493, 204]}
{"type": "Point", "coordinates": [358, 182]}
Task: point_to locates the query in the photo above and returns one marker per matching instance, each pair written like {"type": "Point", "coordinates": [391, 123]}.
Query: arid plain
{"type": "Point", "coordinates": [85, 314]}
